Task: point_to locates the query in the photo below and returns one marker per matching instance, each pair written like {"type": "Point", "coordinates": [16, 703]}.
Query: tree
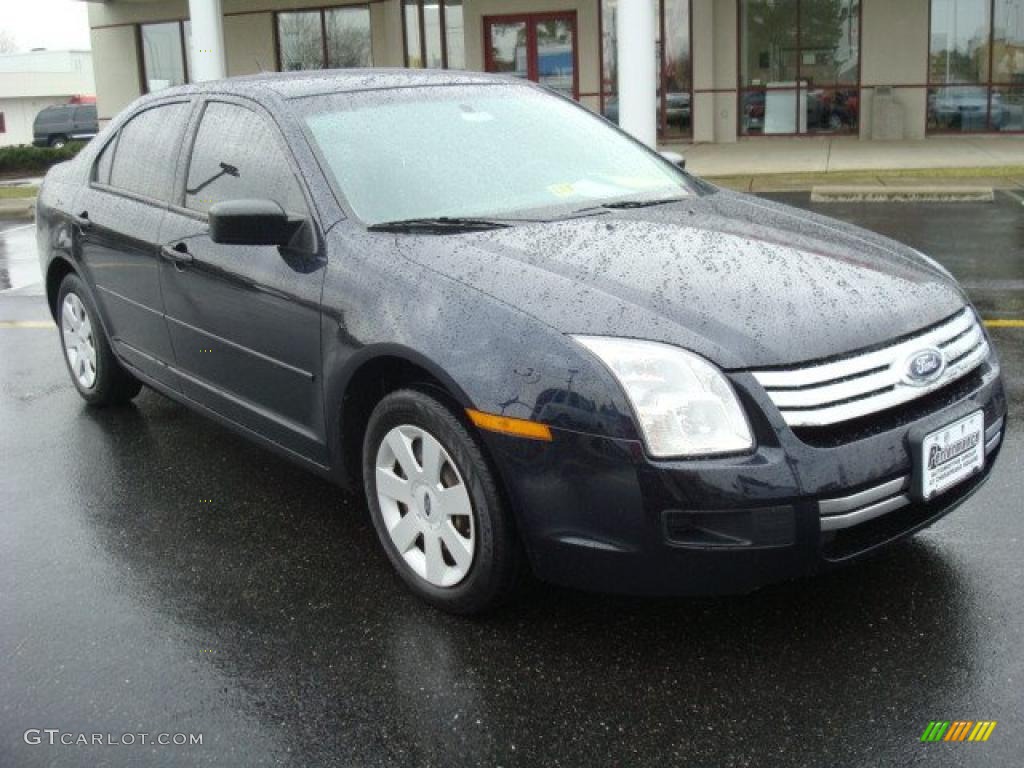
{"type": "Point", "coordinates": [7, 42]}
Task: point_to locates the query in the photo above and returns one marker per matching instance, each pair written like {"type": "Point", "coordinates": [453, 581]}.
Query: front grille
{"type": "Point", "coordinates": [858, 508]}
{"type": "Point", "coordinates": [858, 386]}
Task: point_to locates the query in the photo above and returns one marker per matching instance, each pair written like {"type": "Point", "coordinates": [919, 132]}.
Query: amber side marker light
{"type": "Point", "coordinates": [509, 426]}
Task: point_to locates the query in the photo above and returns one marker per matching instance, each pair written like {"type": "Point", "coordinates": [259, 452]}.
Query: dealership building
{"type": "Point", "coordinates": [724, 70]}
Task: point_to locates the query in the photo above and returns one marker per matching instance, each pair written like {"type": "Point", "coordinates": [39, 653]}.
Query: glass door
{"type": "Point", "coordinates": [540, 47]}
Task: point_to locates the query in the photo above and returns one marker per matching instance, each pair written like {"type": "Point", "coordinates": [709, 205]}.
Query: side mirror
{"type": "Point", "coordinates": [675, 158]}
{"type": "Point", "coordinates": [251, 222]}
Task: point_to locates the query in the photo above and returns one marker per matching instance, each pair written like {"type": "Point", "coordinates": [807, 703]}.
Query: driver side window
{"type": "Point", "coordinates": [237, 156]}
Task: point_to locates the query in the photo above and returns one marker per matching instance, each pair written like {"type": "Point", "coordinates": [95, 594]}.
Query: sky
{"type": "Point", "coordinates": [53, 24]}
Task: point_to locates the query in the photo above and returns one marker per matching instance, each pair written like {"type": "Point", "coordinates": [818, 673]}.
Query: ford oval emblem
{"type": "Point", "coordinates": [924, 367]}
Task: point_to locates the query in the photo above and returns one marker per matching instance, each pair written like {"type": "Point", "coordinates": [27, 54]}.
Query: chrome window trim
{"type": "Point", "coordinates": [860, 385]}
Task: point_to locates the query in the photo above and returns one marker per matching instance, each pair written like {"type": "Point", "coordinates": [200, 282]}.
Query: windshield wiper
{"type": "Point", "coordinates": [617, 204]}
{"type": "Point", "coordinates": [438, 224]}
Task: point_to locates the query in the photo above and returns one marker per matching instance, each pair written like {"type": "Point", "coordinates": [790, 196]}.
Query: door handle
{"type": "Point", "coordinates": [178, 254]}
{"type": "Point", "coordinates": [82, 221]}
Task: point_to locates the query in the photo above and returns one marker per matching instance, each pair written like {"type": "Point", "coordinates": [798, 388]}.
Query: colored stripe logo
{"type": "Point", "coordinates": [958, 730]}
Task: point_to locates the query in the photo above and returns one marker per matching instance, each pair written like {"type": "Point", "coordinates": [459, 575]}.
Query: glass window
{"type": "Point", "coordinates": [348, 37]}
{"type": "Point", "coordinates": [101, 171]}
{"type": "Point", "coordinates": [507, 150]}
{"type": "Point", "coordinates": [829, 42]}
{"type": "Point", "coordinates": [1007, 109]}
{"type": "Point", "coordinates": [237, 156]}
{"type": "Point", "coordinates": [959, 41]}
{"type": "Point", "coordinates": [300, 40]}
{"type": "Point", "coordinates": [977, 51]}
{"type": "Point", "coordinates": [673, 63]}
{"type": "Point", "coordinates": [332, 37]}
{"type": "Point", "coordinates": [796, 56]}
{"type": "Point", "coordinates": [434, 36]}
{"type": "Point", "coordinates": [454, 35]}
{"type": "Point", "coordinates": [147, 151]}
{"type": "Point", "coordinates": [163, 59]}
{"type": "Point", "coordinates": [413, 34]}
{"type": "Point", "coordinates": [958, 108]}
{"type": "Point", "coordinates": [768, 54]}
{"type": "Point", "coordinates": [1008, 42]}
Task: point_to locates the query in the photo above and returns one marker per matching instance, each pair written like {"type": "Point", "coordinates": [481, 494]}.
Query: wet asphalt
{"type": "Point", "coordinates": [159, 574]}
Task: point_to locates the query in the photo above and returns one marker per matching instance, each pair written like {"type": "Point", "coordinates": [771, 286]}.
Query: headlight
{"type": "Point", "coordinates": [685, 405]}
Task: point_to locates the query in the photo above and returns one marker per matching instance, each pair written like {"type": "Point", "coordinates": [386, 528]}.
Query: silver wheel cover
{"type": "Point", "coordinates": [425, 505]}
{"type": "Point", "coordinates": [79, 343]}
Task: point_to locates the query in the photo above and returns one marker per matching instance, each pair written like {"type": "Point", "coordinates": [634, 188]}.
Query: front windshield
{"type": "Point", "coordinates": [478, 151]}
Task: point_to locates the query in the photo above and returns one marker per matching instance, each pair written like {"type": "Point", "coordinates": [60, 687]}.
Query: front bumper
{"type": "Point", "coordinates": [597, 513]}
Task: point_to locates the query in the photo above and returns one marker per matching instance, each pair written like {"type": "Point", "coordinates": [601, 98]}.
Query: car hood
{"type": "Point", "coordinates": [744, 282]}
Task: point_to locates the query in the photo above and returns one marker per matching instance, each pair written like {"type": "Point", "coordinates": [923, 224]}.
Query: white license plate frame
{"type": "Point", "coordinates": [950, 455]}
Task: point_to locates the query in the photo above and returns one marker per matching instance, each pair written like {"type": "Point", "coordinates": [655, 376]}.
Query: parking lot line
{"type": "Point", "coordinates": [1004, 323]}
{"type": "Point", "coordinates": [26, 324]}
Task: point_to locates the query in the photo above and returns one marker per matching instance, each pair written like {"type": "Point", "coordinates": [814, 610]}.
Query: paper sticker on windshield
{"type": "Point", "coordinates": [562, 190]}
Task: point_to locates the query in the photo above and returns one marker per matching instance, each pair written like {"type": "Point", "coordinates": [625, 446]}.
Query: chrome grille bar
{"type": "Point", "coordinates": [848, 511]}
{"type": "Point", "coordinates": [837, 391]}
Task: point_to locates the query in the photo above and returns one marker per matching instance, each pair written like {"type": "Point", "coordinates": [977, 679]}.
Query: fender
{"type": "Point", "coordinates": [338, 378]}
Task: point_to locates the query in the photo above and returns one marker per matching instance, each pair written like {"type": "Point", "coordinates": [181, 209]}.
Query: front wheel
{"type": "Point", "coordinates": [436, 506]}
{"type": "Point", "coordinates": [97, 375]}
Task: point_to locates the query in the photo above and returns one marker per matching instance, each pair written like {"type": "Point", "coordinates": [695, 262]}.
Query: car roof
{"type": "Point", "coordinates": [293, 85]}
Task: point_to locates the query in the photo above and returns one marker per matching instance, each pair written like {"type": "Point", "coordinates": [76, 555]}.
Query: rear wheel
{"type": "Point", "coordinates": [436, 506]}
{"type": "Point", "coordinates": [58, 141]}
{"type": "Point", "coordinates": [97, 375]}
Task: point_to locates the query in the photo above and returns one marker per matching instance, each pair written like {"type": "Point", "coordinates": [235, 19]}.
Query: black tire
{"type": "Point", "coordinates": [498, 561]}
{"type": "Point", "coordinates": [57, 141]}
{"type": "Point", "coordinates": [113, 385]}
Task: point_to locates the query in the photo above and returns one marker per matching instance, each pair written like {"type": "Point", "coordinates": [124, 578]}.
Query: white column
{"type": "Point", "coordinates": [638, 89]}
{"type": "Point", "coordinates": [208, 62]}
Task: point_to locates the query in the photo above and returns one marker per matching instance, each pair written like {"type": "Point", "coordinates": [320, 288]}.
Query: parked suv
{"type": "Point", "coordinates": [58, 124]}
{"type": "Point", "coordinates": [532, 342]}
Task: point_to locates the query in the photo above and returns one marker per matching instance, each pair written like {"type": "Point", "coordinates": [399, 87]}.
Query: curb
{"type": "Point", "coordinates": [874, 193]}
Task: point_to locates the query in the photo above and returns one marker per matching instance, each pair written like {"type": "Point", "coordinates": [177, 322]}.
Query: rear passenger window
{"type": "Point", "coordinates": [147, 151]}
{"type": "Point", "coordinates": [101, 171]}
{"type": "Point", "coordinates": [237, 156]}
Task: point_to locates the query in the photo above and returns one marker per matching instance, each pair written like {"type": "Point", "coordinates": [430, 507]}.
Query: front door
{"type": "Point", "coordinates": [538, 46]}
{"type": "Point", "coordinates": [245, 320]}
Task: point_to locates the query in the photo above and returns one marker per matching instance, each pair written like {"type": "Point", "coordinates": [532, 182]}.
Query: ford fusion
{"type": "Point", "coordinates": [536, 345]}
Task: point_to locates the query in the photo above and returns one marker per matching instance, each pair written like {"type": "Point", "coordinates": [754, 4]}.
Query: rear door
{"type": "Point", "coordinates": [86, 125]}
{"type": "Point", "coordinates": [118, 219]}
{"type": "Point", "coordinates": [245, 320]}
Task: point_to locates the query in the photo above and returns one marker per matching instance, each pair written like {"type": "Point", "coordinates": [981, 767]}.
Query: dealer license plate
{"type": "Point", "coordinates": [952, 454]}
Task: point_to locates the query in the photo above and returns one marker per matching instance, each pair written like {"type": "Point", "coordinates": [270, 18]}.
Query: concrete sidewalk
{"type": "Point", "coordinates": [767, 155]}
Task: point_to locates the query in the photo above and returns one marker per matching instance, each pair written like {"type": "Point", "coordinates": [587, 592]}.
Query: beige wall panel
{"type": "Point", "coordinates": [249, 43]}
{"type": "Point", "coordinates": [894, 51]}
{"type": "Point", "coordinates": [116, 68]}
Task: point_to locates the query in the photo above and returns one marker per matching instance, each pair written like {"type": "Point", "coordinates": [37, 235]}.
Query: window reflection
{"type": "Point", "coordinates": [673, 64]}
{"type": "Point", "coordinates": [332, 37]}
{"type": "Point", "coordinates": [300, 37]}
{"type": "Point", "coordinates": [1008, 42]}
{"type": "Point", "coordinates": [434, 34]}
{"type": "Point", "coordinates": [162, 56]}
{"type": "Point", "coordinates": [795, 58]}
{"type": "Point", "coordinates": [348, 37]}
{"type": "Point", "coordinates": [976, 58]}
{"type": "Point", "coordinates": [455, 36]}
